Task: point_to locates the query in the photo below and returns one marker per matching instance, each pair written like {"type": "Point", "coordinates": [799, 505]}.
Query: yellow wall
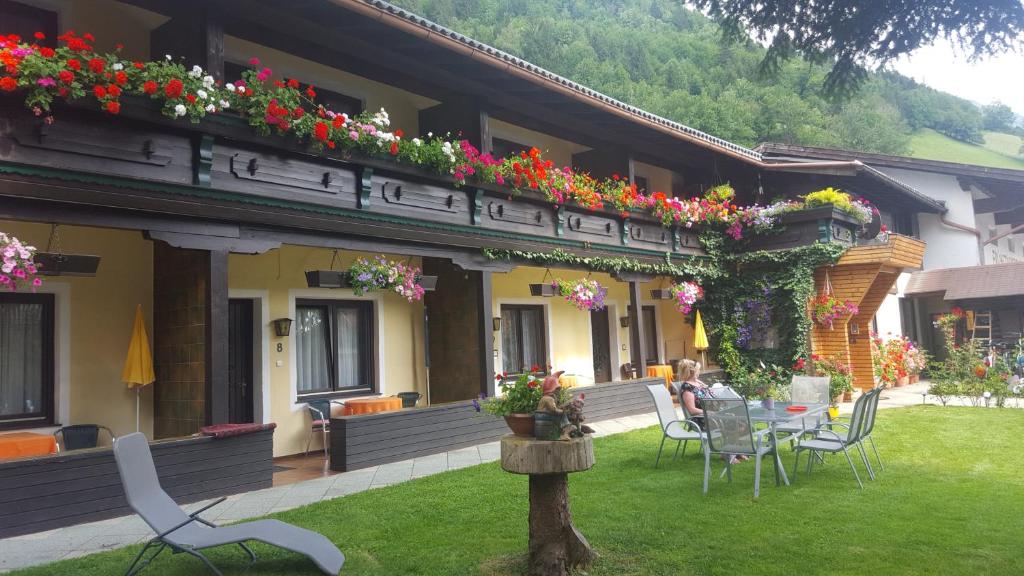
{"type": "Point", "coordinates": [101, 315]}
{"type": "Point", "coordinates": [658, 179]}
{"type": "Point", "coordinates": [402, 106]}
{"type": "Point", "coordinates": [555, 149]}
{"type": "Point", "coordinates": [282, 274]}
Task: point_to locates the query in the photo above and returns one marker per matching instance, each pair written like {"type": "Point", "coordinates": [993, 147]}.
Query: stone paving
{"type": "Point", "coordinates": [83, 539]}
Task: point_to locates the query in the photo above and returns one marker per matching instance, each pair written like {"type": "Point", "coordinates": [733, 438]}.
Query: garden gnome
{"type": "Point", "coordinates": [550, 405]}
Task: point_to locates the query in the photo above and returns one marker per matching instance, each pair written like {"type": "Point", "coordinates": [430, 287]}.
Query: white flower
{"type": "Point", "coordinates": [208, 81]}
{"type": "Point", "coordinates": [195, 72]}
{"type": "Point", "coordinates": [117, 66]}
{"type": "Point", "coordinates": [229, 87]}
{"type": "Point", "coordinates": [225, 104]}
{"type": "Point", "coordinates": [240, 89]}
{"type": "Point", "coordinates": [168, 56]}
{"type": "Point", "coordinates": [987, 394]}
{"type": "Point", "coordinates": [202, 94]}
{"type": "Point", "coordinates": [211, 108]}
{"type": "Point", "coordinates": [417, 141]}
{"type": "Point", "coordinates": [180, 110]}
{"type": "Point", "coordinates": [430, 134]}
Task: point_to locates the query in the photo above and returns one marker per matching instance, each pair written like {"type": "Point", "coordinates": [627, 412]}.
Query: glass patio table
{"type": "Point", "coordinates": [779, 415]}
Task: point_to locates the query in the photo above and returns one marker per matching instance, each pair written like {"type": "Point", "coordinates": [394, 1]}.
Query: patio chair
{"type": "Point", "coordinates": [825, 439]}
{"type": "Point", "coordinates": [80, 436]}
{"type": "Point", "coordinates": [190, 534]}
{"type": "Point", "coordinates": [809, 390]}
{"type": "Point", "coordinates": [730, 433]}
{"type": "Point", "coordinates": [320, 413]}
{"type": "Point", "coordinates": [682, 431]}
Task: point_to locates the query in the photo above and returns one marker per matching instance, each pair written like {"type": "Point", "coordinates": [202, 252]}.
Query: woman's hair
{"type": "Point", "coordinates": [688, 369]}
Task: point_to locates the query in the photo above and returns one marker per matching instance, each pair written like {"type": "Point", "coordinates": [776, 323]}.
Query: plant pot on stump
{"type": "Point", "coordinates": [520, 424]}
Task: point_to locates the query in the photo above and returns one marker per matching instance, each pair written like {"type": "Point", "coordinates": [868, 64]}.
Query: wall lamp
{"type": "Point", "coordinates": [283, 327]}
{"type": "Point", "coordinates": [496, 323]}
{"type": "Point", "coordinates": [624, 321]}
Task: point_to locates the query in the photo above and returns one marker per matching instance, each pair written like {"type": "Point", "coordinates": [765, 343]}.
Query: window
{"type": "Point", "coordinates": [522, 338]}
{"type": "Point", "coordinates": [333, 101]}
{"type": "Point", "coordinates": [502, 148]}
{"type": "Point", "coordinates": [26, 360]}
{"type": "Point", "coordinates": [641, 184]}
{"type": "Point", "coordinates": [334, 346]}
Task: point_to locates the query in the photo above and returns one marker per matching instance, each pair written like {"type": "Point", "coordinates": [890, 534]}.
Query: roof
{"type": "Point", "coordinates": [969, 282]}
{"type": "Point", "coordinates": [782, 151]}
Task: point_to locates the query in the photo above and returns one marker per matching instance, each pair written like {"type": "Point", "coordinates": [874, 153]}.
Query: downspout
{"type": "Point", "coordinates": [975, 231]}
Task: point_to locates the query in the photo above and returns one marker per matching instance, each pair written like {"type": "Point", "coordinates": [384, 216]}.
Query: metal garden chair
{"type": "Point", "coordinates": [672, 427]}
{"type": "Point", "coordinates": [730, 433]}
{"type": "Point", "coordinates": [809, 390]}
{"type": "Point", "coordinates": [825, 439]}
{"type": "Point", "coordinates": [190, 534]}
{"type": "Point", "coordinates": [320, 412]}
{"type": "Point", "coordinates": [80, 436]}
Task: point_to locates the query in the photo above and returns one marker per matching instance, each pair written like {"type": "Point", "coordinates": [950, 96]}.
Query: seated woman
{"type": "Point", "coordinates": [691, 392]}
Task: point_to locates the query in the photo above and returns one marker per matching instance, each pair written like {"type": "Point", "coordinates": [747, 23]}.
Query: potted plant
{"type": "Point", "coordinates": [17, 265]}
{"type": "Point", "coordinates": [840, 385]}
{"type": "Point", "coordinates": [767, 381]}
{"type": "Point", "coordinates": [686, 295]}
{"type": "Point", "coordinates": [828, 309]}
{"type": "Point", "coordinates": [585, 294]}
{"type": "Point", "coordinates": [517, 402]}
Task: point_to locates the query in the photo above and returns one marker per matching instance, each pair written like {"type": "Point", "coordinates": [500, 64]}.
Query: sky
{"type": "Point", "coordinates": [942, 67]}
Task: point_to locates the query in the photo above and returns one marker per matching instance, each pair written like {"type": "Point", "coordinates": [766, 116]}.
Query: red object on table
{"type": "Point", "coordinates": [22, 444]}
{"type": "Point", "coordinates": [371, 405]}
{"type": "Point", "coordinates": [796, 408]}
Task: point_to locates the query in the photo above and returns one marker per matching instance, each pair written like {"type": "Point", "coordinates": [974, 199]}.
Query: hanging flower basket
{"type": "Point", "coordinates": [828, 309]}
{"type": "Point", "coordinates": [584, 294]}
{"type": "Point", "coordinates": [686, 295]}
{"type": "Point", "coordinates": [379, 273]}
{"type": "Point", "coordinates": [17, 265]}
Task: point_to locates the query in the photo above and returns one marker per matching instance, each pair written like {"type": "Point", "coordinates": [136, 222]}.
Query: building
{"type": "Point", "coordinates": [975, 257]}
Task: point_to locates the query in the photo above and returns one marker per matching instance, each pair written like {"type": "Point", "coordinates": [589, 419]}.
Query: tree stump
{"type": "Point", "coordinates": [556, 546]}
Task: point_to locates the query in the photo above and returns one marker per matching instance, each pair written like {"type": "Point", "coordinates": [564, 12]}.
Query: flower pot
{"type": "Point", "coordinates": [429, 283]}
{"type": "Point", "coordinates": [915, 378]}
{"type": "Point", "coordinates": [903, 381]}
{"type": "Point", "coordinates": [545, 426]}
{"type": "Point", "coordinates": [768, 403]}
{"type": "Point", "coordinates": [848, 396]}
{"type": "Point", "coordinates": [409, 399]}
{"type": "Point", "coordinates": [833, 412]}
{"type": "Point", "coordinates": [327, 279]}
{"type": "Point", "coordinates": [542, 290]}
{"type": "Point", "coordinates": [520, 424]}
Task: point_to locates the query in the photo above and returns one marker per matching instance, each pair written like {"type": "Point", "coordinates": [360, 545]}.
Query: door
{"type": "Point", "coordinates": [600, 339]}
{"type": "Point", "coordinates": [240, 361]}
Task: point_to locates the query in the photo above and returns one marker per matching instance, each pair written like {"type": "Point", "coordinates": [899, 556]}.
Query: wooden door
{"type": "Point", "coordinates": [240, 361]}
{"type": "Point", "coordinates": [601, 343]}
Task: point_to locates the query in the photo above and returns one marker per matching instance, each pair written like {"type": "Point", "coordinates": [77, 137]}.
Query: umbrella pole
{"type": "Point", "coordinates": [137, 408]}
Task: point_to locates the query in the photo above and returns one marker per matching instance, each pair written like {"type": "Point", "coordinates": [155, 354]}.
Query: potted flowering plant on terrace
{"type": "Point", "coordinates": [840, 385]}
{"type": "Point", "coordinates": [584, 294]}
{"type": "Point", "coordinates": [517, 401]}
{"type": "Point", "coordinates": [17, 265]}
{"type": "Point", "coordinates": [828, 309]}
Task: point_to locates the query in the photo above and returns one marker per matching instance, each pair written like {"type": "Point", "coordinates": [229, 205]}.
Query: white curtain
{"type": "Point", "coordinates": [311, 349]}
{"type": "Point", "coordinates": [21, 355]}
{"type": "Point", "coordinates": [349, 358]}
{"type": "Point", "coordinates": [532, 324]}
{"type": "Point", "coordinates": [510, 353]}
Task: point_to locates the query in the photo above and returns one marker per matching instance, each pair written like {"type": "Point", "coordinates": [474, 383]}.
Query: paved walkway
{"type": "Point", "coordinates": [83, 539]}
{"type": "Point", "coordinates": [74, 541]}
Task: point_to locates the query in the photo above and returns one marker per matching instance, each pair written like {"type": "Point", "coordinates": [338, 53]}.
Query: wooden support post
{"type": "Point", "coordinates": [637, 348]}
{"type": "Point", "coordinates": [484, 315]}
{"type": "Point", "coordinates": [217, 339]}
{"type": "Point", "coordinates": [195, 32]}
{"type": "Point", "coordinates": [556, 545]}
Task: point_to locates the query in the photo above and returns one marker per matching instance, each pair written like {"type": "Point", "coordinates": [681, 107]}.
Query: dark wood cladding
{"type": "Point", "coordinates": [374, 439]}
{"type": "Point", "coordinates": [65, 489]}
{"type": "Point", "coordinates": [808, 227]}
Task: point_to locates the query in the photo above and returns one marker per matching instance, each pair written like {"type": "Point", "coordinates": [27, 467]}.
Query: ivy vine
{"type": "Point", "coordinates": [701, 269]}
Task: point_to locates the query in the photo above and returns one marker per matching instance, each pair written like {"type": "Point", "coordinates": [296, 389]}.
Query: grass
{"type": "Point", "coordinates": [998, 151]}
{"type": "Point", "coordinates": [950, 501]}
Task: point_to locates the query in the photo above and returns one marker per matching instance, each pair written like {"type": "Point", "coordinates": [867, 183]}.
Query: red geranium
{"type": "Point", "coordinates": [74, 64]}
{"type": "Point", "coordinates": [394, 149]}
{"type": "Point", "coordinates": [149, 87]}
{"type": "Point", "coordinates": [8, 84]}
{"type": "Point", "coordinates": [39, 36]}
{"type": "Point", "coordinates": [293, 83]}
{"type": "Point", "coordinates": [120, 77]}
{"type": "Point", "coordinates": [174, 88]}
{"type": "Point", "coordinates": [320, 131]}
{"type": "Point", "coordinates": [100, 92]}
{"type": "Point", "coordinates": [191, 98]}
{"type": "Point", "coordinates": [138, 65]}
{"type": "Point", "coordinates": [310, 92]}
{"type": "Point", "coordinates": [399, 133]}
{"type": "Point", "coordinates": [97, 65]}
{"type": "Point", "coordinates": [113, 90]}
{"type": "Point", "coordinates": [298, 112]}
{"type": "Point", "coordinates": [113, 107]}
{"type": "Point", "coordinates": [46, 52]}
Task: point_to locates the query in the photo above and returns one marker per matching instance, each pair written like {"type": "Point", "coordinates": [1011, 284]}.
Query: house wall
{"type": "Point", "coordinates": [555, 149]}
{"type": "Point", "coordinates": [109, 21]}
{"type": "Point", "coordinates": [402, 106]}
{"type": "Point", "coordinates": [947, 247]}
{"type": "Point", "coordinates": [280, 275]}
{"type": "Point", "coordinates": [94, 320]}
{"type": "Point", "coordinates": [658, 179]}
{"type": "Point", "coordinates": [1007, 249]}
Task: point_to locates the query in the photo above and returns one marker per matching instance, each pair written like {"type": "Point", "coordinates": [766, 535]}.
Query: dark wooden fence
{"type": "Point", "coordinates": [372, 439]}
{"type": "Point", "coordinates": [65, 489]}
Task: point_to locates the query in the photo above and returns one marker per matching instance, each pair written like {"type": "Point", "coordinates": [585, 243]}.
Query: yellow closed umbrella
{"type": "Point", "coordinates": [700, 337]}
{"type": "Point", "coordinates": [138, 365]}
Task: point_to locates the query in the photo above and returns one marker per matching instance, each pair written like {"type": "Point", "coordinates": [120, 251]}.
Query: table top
{"type": "Point", "coordinates": [659, 367]}
{"type": "Point", "coordinates": [371, 405]}
{"type": "Point", "coordinates": [759, 413]}
{"type": "Point", "coordinates": [22, 444]}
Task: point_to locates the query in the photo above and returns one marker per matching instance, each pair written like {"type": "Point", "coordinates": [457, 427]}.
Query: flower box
{"type": "Point", "coordinates": [543, 290]}
{"type": "Point", "coordinates": [327, 279]}
{"type": "Point", "coordinates": [826, 224]}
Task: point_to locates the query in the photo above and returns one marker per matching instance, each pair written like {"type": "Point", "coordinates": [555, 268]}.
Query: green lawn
{"type": "Point", "coordinates": [950, 501]}
{"type": "Point", "coordinates": [998, 151]}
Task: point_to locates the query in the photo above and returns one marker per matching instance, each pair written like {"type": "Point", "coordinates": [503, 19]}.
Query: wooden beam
{"type": "Point", "coordinates": [217, 338]}
{"type": "Point", "coordinates": [485, 313]}
{"type": "Point", "coordinates": [1000, 203]}
{"type": "Point", "coordinates": [195, 32]}
{"type": "Point", "coordinates": [638, 346]}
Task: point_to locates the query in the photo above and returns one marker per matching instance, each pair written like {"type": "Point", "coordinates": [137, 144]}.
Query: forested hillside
{"type": "Point", "coordinates": [662, 57]}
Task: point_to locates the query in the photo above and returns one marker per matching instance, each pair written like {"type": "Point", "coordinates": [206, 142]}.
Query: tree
{"type": "Point", "coordinates": [998, 117]}
{"type": "Point", "coordinates": [854, 34]}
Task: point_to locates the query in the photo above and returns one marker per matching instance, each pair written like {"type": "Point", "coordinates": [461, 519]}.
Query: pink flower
{"type": "Point", "coordinates": [46, 81]}
{"type": "Point", "coordinates": [19, 274]}
{"type": "Point", "coordinates": [254, 61]}
{"type": "Point", "coordinates": [37, 282]}
{"type": "Point", "coordinates": [264, 74]}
